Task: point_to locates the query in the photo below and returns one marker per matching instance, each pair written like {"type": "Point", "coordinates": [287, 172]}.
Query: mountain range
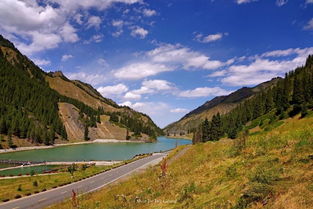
{"type": "Point", "coordinates": [221, 104]}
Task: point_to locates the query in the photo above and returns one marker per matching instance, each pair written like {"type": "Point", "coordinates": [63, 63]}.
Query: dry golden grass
{"type": "Point", "coordinates": [273, 170]}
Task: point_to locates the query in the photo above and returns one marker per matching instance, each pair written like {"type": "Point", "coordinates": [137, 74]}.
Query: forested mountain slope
{"type": "Point", "coordinates": [220, 104]}
{"type": "Point", "coordinates": [289, 97]}
{"type": "Point", "coordinates": [33, 106]}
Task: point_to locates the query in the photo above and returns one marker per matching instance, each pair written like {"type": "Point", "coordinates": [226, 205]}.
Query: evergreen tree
{"type": "Point", "coordinates": [86, 132]}
{"type": "Point", "coordinates": [205, 131]}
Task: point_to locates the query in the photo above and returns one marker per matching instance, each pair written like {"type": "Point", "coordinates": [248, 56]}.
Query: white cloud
{"type": "Point", "coordinates": [309, 1]}
{"type": "Point", "coordinates": [115, 90]}
{"type": "Point", "coordinates": [78, 18]}
{"type": "Point", "coordinates": [149, 12]}
{"type": "Point", "coordinates": [102, 62]}
{"type": "Point", "coordinates": [139, 32]}
{"type": "Point", "coordinates": [244, 1]}
{"type": "Point", "coordinates": [137, 71]}
{"type": "Point", "coordinates": [262, 68]}
{"type": "Point", "coordinates": [66, 57]}
{"type": "Point", "coordinates": [309, 25]}
{"type": "Point", "coordinates": [132, 96]}
{"type": "Point", "coordinates": [118, 23]}
{"type": "Point", "coordinates": [68, 33]}
{"type": "Point", "coordinates": [45, 25]}
{"type": "Point", "coordinates": [149, 87]}
{"type": "Point", "coordinates": [179, 110]}
{"type": "Point", "coordinates": [281, 2]}
{"type": "Point", "coordinates": [167, 57]}
{"type": "Point", "coordinates": [209, 38]}
{"type": "Point", "coordinates": [117, 33]}
{"type": "Point", "coordinates": [40, 41]}
{"type": "Point", "coordinates": [178, 55]}
{"type": "Point", "coordinates": [94, 21]}
{"type": "Point", "coordinates": [160, 112]}
{"type": "Point", "coordinates": [41, 62]}
{"type": "Point", "coordinates": [91, 78]}
{"type": "Point", "coordinates": [97, 38]}
{"type": "Point", "coordinates": [218, 74]}
{"type": "Point", "coordinates": [203, 92]}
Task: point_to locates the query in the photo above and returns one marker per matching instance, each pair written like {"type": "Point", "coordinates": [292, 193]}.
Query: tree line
{"type": "Point", "coordinates": [29, 107]}
{"type": "Point", "coordinates": [290, 96]}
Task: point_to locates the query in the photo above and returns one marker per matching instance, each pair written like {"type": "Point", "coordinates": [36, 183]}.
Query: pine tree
{"type": "Point", "coordinates": [205, 130]}
{"type": "Point", "coordinates": [86, 132]}
{"type": "Point", "coordinates": [216, 128]}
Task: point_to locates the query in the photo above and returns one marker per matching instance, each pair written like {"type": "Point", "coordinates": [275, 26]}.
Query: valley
{"type": "Point", "coordinates": [137, 104]}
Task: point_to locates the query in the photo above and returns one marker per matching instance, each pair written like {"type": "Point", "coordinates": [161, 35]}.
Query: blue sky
{"type": "Point", "coordinates": [162, 57]}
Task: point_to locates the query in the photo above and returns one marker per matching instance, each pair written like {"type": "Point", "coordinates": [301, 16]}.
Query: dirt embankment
{"type": "Point", "coordinates": [75, 128]}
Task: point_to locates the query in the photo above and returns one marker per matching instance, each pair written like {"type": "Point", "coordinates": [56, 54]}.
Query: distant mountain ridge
{"type": "Point", "coordinates": [220, 104]}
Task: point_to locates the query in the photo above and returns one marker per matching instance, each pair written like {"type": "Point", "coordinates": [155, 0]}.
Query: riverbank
{"type": "Point", "coordinates": [180, 137]}
{"type": "Point", "coordinates": [68, 144]}
{"type": "Point", "coordinates": [98, 163]}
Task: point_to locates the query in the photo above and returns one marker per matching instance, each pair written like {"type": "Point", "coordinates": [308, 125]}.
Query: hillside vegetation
{"type": "Point", "coordinates": [290, 96]}
{"type": "Point", "coordinates": [268, 169]}
{"type": "Point", "coordinates": [30, 101]}
{"type": "Point", "coordinates": [221, 104]}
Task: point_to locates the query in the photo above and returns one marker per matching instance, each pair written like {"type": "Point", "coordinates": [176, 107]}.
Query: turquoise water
{"type": "Point", "coordinates": [96, 151]}
{"type": "Point", "coordinates": [27, 170]}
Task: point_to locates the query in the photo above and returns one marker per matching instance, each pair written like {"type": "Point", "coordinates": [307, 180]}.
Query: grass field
{"type": "Point", "coordinates": [272, 169]}
{"type": "Point", "coordinates": [15, 188]}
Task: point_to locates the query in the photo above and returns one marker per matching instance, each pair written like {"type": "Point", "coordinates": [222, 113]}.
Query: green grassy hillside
{"type": "Point", "coordinates": [268, 169]}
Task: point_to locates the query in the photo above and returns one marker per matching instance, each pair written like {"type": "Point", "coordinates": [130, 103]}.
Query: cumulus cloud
{"type": "Point", "coordinates": [244, 1]}
{"type": "Point", "coordinates": [94, 21]}
{"type": "Point", "coordinates": [66, 57]}
{"type": "Point", "coordinates": [45, 25]}
{"type": "Point", "coordinates": [97, 38]}
{"type": "Point", "coordinates": [218, 74]}
{"type": "Point", "coordinates": [41, 62]}
{"type": "Point", "coordinates": [149, 87]}
{"type": "Point", "coordinates": [281, 2]}
{"type": "Point", "coordinates": [266, 66]}
{"type": "Point", "coordinates": [179, 110]}
{"type": "Point", "coordinates": [203, 92]}
{"type": "Point", "coordinates": [139, 32]}
{"type": "Point", "coordinates": [183, 56]}
{"type": "Point", "coordinates": [140, 70]}
{"type": "Point", "coordinates": [309, 25]}
{"type": "Point", "coordinates": [114, 90]}
{"type": "Point", "coordinates": [149, 12]}
{"type": "Point", "coordinates": [168, 57]}
{"type": "Point", "coordinates": [209, 38]}
{"type": "Point", "coordinates": [157, 110]}
{"type": "Point", "coordinates": [91, 78]}
{"type": "Point", "coordinates": [132, 96]}
{"type": "Point", "coordinates": [309, 1]}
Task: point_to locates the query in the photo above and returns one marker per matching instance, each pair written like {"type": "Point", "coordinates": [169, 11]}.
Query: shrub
{"type": "Point", "coordinates": [19, 188]}
{"type": "Point", "coordinates": [17, 196]}
{"type": "Point", "coordinates": [35, 184]}
{"type": "Point", "coordinates": [256, 192]}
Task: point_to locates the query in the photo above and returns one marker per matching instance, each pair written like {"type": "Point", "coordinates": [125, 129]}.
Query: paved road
{"type": "Point", "coordinates": [53, 196]}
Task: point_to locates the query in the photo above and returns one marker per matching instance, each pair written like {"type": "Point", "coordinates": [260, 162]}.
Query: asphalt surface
{"type": "Point", "coordinates": [53, 196]}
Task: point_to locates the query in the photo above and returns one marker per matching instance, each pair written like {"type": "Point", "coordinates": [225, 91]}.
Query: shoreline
{"type": "Point", "coordinates": [18, 149]}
